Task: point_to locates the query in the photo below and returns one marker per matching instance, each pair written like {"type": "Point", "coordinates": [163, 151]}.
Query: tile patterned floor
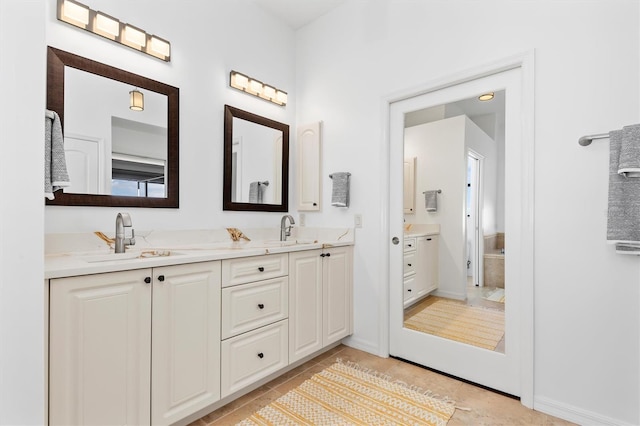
{"type": "Point", "coordinates": [486, 407]}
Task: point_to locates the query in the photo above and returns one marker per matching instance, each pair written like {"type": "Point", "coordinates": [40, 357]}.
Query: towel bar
{"type": "Point", "coordinates": [331, 175]}
{"type": "Point", "coordinates": [586, 140]}
{"type": "Point", "coordinates": [439, 191]}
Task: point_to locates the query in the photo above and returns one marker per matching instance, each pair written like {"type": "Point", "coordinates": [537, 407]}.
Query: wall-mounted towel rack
{"type": "Point", "coordinates": [586, 140]}
{"type": "Point", "coordinates": [331, 175]}
{"type": "Point", "coordinates": [265, 183]}
{"type": "Point", "coordinates": [439, 191]}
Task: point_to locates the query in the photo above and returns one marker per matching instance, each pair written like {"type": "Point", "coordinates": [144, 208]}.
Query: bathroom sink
{"type": "Point", "coordinates": [129, 255]}
{"type": "Point", "coordinates": [275, 243]}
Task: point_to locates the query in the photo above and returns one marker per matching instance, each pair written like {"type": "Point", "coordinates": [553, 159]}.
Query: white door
{"type": "Point", "coordinates": [84, 164]}
{"type": "Point", "coordinates": [496, 370]}
{"type": "Point", "coordinates": [186, 340]}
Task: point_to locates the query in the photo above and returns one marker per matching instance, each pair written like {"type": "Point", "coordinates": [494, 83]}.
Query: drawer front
{"type": "Point", "coordinates": [409, 263]}
{"type": "Point", "coordinates": [409, 289]}
{"type": "Point", "coordinates": [252, 356]}
{"type": "Point", "coordinates": [249, 306]}
{"type": "Point", "coordinates": [409, 244]}
{"type": "Point", "coordinates": [256, 268]}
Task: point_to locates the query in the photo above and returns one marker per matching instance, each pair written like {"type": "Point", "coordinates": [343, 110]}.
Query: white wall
{"type": "Point", "coordinates": [22, 84]}
{"type": "Point", "coordinates": [216, 38]}
{"type": "Point", "coordinates": [586, 81]}
{"type": "Point", "coordinates": [441, 163]}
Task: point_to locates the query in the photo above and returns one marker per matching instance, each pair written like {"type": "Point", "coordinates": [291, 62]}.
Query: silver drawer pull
{"type": "Point", "coordinates": [260, 355]}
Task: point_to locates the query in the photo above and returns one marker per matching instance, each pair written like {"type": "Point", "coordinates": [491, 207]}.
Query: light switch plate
{"type": "Point", "coordinates": [302, 219]}
{"type": "Point", "coordinates": [357, 220]}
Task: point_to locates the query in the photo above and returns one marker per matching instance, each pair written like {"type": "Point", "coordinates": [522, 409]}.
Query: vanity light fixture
{"type": "Point", "coordinates": [486, 96]}
{"type": "Point", "coordinates": [136, 100]}
{"type": "Point", "coordinates": [81, 16]}
{"type": "Point", "coordinates": [257, 88]}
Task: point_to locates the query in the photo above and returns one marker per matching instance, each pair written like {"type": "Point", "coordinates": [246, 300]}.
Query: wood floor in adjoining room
{"type": "Point", "coordinates": [485, 407]}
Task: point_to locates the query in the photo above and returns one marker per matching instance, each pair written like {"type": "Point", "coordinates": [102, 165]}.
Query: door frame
{"type": "Point", "coordinates": [478, 237]}
{"type": "Point", "coordinates": [525, 62]}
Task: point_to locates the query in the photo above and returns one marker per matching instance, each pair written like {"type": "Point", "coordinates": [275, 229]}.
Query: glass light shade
{"type": "Point", "coordinates": [134, 37]}
{"type": "Point", "coordinates": [239, 81]}
{"type": "Point", "coordinates": [106, 26]}
{"type": "Point", "coordinates": [255, 87]}
{"type": "Point", "coordinates": [281, 97]}
{"type": "Point", "coordinates": [268, 92]}
{"type": "Point", "coordinates": [74, 13]}
{"type": "Point", "coordinates": [159, 48]}
{"type": "Point", "coordinates": [136, 100]}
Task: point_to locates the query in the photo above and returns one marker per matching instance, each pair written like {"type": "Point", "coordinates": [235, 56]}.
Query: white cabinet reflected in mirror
{"type": "Point", "coordinates": [256, 162]}
{"type": "Point", "coordinates": [116, 156]}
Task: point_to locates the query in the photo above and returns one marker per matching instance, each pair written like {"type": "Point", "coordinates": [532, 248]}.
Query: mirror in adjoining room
{"type": "Point", "coordinates": [256, 162]}
{"type": "Point", "coordinates": [118, 154]}
{"type": "Point", "coordinates": [459, 149]}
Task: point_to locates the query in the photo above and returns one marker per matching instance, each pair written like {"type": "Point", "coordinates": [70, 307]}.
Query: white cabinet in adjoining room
{"type": "Point", "coordinates": [134, 347]}
{"type": "Point", "coordinates": [427, 264]}
{"type": "Point", "coordinates": [320, 299]}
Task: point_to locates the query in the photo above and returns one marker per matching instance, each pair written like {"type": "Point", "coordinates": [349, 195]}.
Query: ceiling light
{"type": "Point", "coordinates": [255, 87]}
{"type": "Point", "coordinates": [486, 96]}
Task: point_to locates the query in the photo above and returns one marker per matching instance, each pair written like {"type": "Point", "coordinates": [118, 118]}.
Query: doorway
{"type": "Point", "coordinates": [507, 371]}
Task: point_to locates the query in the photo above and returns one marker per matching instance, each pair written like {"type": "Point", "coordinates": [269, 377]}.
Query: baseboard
{"type": "Point", "coordinates": [363, 345]}
{"type": "Point", "coordinates": [574, 414]}
{"type": "Point", "coordinates": [450, 294]}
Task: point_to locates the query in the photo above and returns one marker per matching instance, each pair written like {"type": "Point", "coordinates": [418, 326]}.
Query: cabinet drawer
{"type": "Point", "coordinates": [409, 263]}
{"type": "Point", "coordinates": [248, 269]}
{"type": "Point", "coordinates": [251, 356]}
{"type": "Point", "coordinates": [409, 289]}
{"type": "Point", "coordinates": [249, 306]}
{"type": "Point", "coordinates": [409, 244]}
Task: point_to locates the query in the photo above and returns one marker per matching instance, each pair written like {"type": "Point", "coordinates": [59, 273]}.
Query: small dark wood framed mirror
{"type": "Point", "coordinates": [256, 162]}
{"type": "Point", "coordinates": [116, 157]}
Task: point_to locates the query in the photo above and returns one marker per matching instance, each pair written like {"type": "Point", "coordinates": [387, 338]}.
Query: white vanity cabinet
{"type": "Point", "coordinates": [134, 347]}
{"type": "Point", "coordinates": [320, 299]}
{"type": "Point", "coordinates": [420, 267]}
{"type": "Point", "coordinates": [254, 320]}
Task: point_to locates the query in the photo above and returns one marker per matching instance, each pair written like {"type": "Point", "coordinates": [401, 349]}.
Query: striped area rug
{"type": "Point", "coordinates": [345, 394]}
{"type": "Point", "coordinates": [452, 320]}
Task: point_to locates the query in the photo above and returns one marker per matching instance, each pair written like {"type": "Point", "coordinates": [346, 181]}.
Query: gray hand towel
{"type": "Point", "coordinates": [256, 191]}
{"type": "Point", "coordinates": [629, 163]}
{"type": "Point", "coordinates": [623, 219]}
{"type": "Point", "coordinates": [340, 191]}
{"type": "Point", "coordinates": [55, 164]}
{"type": "Point", "coordinates": [431, 200]}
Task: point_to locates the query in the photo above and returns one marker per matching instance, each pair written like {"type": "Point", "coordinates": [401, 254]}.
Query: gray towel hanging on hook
{"type": "Point", "coordinates": [340, 191]}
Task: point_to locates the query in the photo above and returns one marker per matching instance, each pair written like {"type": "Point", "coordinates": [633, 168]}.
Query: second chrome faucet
{"type": "Point", "coordinates": [123, 220]}
{"type": "Point", "coordinates": [285, 230]}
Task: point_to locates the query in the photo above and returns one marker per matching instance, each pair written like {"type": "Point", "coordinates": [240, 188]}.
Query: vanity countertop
{"type": "Point", "coordinates": [420, 230]}
{"type": "Point", "coordinates": [70, 255]}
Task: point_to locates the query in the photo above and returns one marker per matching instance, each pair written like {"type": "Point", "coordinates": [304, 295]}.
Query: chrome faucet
{"type": "Point", "coordinates": [123, 220]}
{"type": "Point", "coordinates": [285, 230]}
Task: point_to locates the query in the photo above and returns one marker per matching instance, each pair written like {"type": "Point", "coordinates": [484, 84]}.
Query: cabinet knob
{"type": "Point", "coordinates": [409, 245]}
{"type": "Point", "coordinates": [261, 305]}
{"type": "Point", "coordinates": [260, 355]}
{"type": "Point", "coordinates": [315, 204]}
{"type": "Point", "coordinates": [408, 264]}
{"type": "Point", "coordinates": [409, 289]}
{"type": "Point", "coordinates": [261, 268]}
{"type": "Point", "coordinates": [322, 255]}
{"type": "Point", "coordinates": [328, 254]}
{"type": "Point", "coordinates": [147, 280]}
{"type": "Point", "coordinates": [428, 239]}
{"type": "Point", "coordinates": [161, 278]}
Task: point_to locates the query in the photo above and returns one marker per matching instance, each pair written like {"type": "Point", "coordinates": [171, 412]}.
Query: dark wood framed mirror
{"type": "Point", "coordinates": [256, 162]}
{"type": "Point", "coordinates": [125, 158]}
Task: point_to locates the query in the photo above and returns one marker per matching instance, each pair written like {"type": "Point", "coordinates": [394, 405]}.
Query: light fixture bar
{"type": "Point", "coordinates": [81, 16]}
{"type": "Point", "coordinates": [255, 87]}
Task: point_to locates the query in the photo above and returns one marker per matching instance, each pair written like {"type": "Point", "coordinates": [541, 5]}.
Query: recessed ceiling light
{"type": "Point", "coordinates": [486, 96]}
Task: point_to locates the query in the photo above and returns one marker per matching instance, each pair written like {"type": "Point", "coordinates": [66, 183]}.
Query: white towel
{"type": "Point", "coordinates": [431, 200]}
{"type": "Point", "coordinates": [340, 191]}
{"type": "Point", "coordinates": [55, 164]}
{"type": "Point", "coordinates": [623, 219]}
{"type": "Point", "coordinates": [629, 161]}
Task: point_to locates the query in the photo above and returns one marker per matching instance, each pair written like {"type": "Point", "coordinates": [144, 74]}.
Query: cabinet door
{"type": "Point", "coordinates": [337, 294]}
{"type": "Point", "coordinates": [427, 265]}
{"type": "Point", "coordinates": [186, 340]}
{"type": "Point", "coordinates": [309, 138]}
{"type": "Point", "coordinates": [409, 290]}
{"type": "Point", "coordinates": [305, 303]}
{"type": "Point", "coordinates": [99, 351]}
